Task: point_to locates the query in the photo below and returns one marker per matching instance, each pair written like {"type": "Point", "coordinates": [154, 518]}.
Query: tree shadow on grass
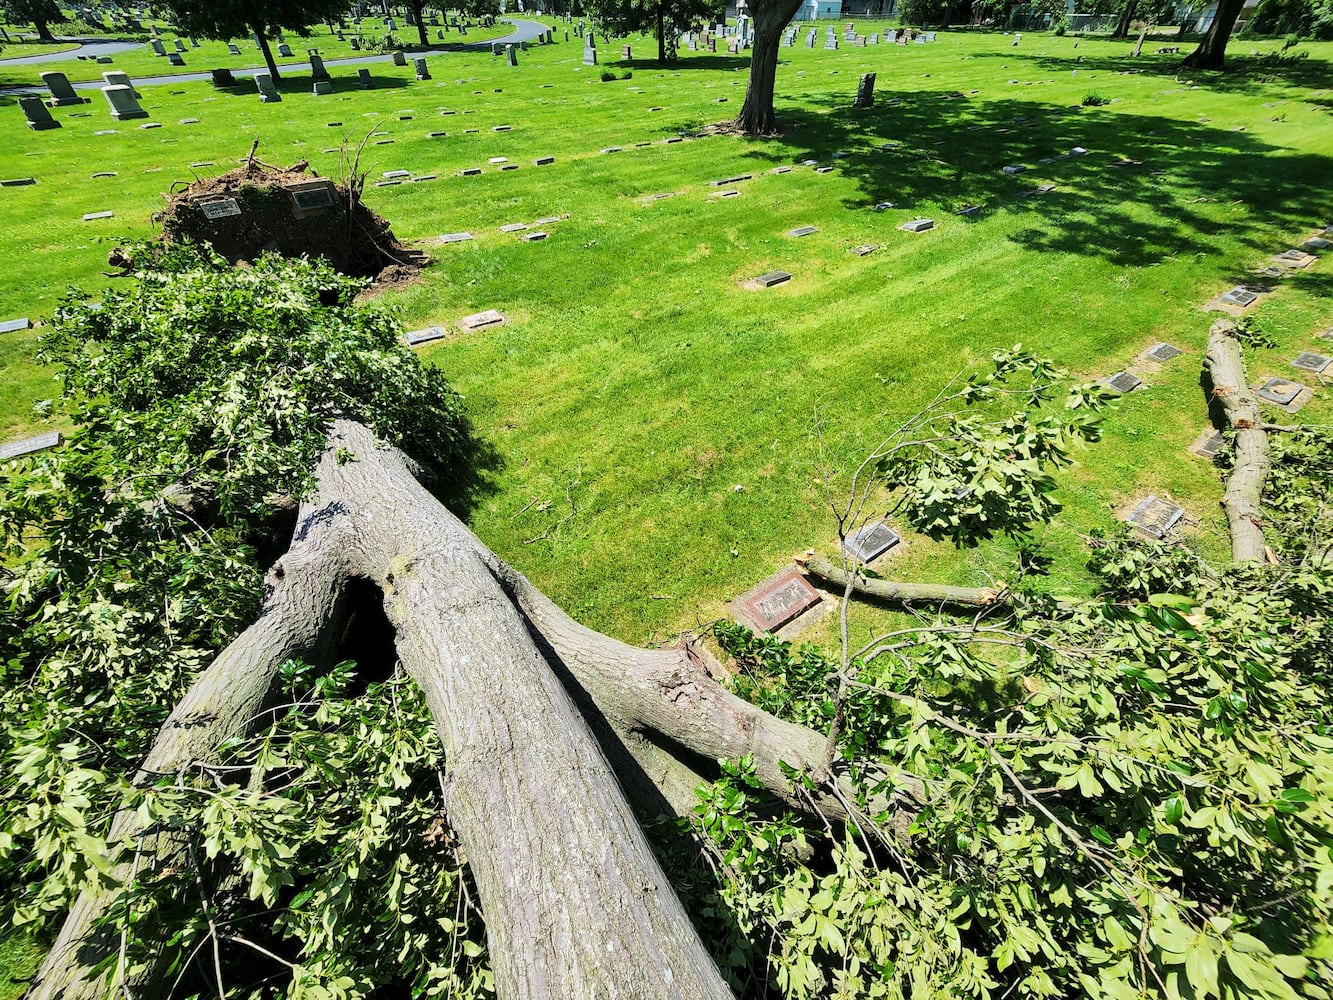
{"type": "Point", "coordinates": [938, 152]}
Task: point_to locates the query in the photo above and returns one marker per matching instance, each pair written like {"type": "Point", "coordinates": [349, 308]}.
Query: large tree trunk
{"type": "Point", "coordinates": [1243, 494]}
{"type": "Point", "coordinates": [257, 26]}
{"type": "Point", "coordinates": [1212, 50]}
{"type": "Point", "coordinates": [43, 30]}
{"type": "Point", "coordinates": [536, 713]}
{"type": "Point", "coordinates": [661, 35]}
{"type": "Point", "coordinates": [770, 17]}
{"type": "Point", "coordinates": [1126, 16]}
{"type": "Point", "coordinates": [417, 7]}
{"type": "Point", "coordinates": [295, 621]}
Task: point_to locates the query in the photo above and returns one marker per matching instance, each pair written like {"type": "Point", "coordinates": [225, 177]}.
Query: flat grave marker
{"type": "Point", "coordinates": [803, 231]}
{"type": "Point", "coordinates": [1209, 444]}
{"type": "Point", "coordinates": [455, 237]}
{"type": "Point", "coordinates": [917, 225]}
{"type": "Point", "coordinates": [1123, 381]}
{"type": "Point", "coordinates": [514, 227]}
{"type": "Point", "coordinates": [1155, 516]}
{"type": "Point", "coordinates": [29, 445]}
{"type": "Point", "coordinates": [481, 320]}
{"type": "Point", "coordinates": [14, 325]}
{"type": "Point", "coordinates": [1240, 296]}
{"type": "Point", "coordinates": [771, 278]}
{"type": "Point", "coordinates": [1294, 258]}
{"type": "Point", "coordinates": [1317, 243]}
{"type": "Point", "coordinates": [1312, 362]}
{"type": "Point", "coordinates": [91, 216]}
{"type": "Point", "coordinates": [780, 600]}
{"type": "Point", "coordinates": [424, 335]}
{"type": "Point", "coordinates": [534, 237]}
{"type": "Point", "coordinates": [871, 541]}
{"type": "Point", "coordinates": [1162, 352]}
{"type": "Point", "coordinates": [1281, 391]}
{"type": "Point", "coordinates": [864, 248]}
{"type": "Point", "coordinates": [220, 208]}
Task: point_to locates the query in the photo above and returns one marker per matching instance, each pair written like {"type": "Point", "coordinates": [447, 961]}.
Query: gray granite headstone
{"type": "Point", "coordinates": [26, 446]}
{"type": "Point", "coordinates": [1311, 362]}
{"type": "Point", "coordinates": [158, 48]}
{"type": "Point", "coordinates": [1124, 382]}
{"type": "Point", "coordinates": [14, 325]}
{"type": "Point", "coordinates": [34, 110]}
{"type": "Point", "coordinates": [399, 58]}
{"type": "Point", "coordinates": [61, 92]}
{"type": "Point", "coordinates": [268, 94]}
{"type": "Point", "coordinates": [511, 55]}
{"type": "Point", "coordinates": [543, 161]}
{"type": "Point", "coordinates": [1280, 391]}
{"type": "Point", "coordinates": [233, 49]}
{"type": "Point", "coordinates": [1317, 243]}
{"type": "Point", "coordinates": [318, 73]}
{"type": "Point", "coordinates": [771, 278]}
{"type": "Point", "coordinates": [285, 51]}
{"type": "Point", "coordinates": [803, 231]}
{"type": "Point", "coordinates": [865, 92]}
{"type": "Point", "coordinates": [864, 249]}
{"type": "Point", "coordinates": [363, 78]}
{"type": "Point", "coordinates": [455, 237]}
{"type": "Point", "coordinates": [871, 541]}
{"type": "Point", "coordinates": [321, 88]}
{"type": "Point", "coordinates": [514, 227]}
{"type": "Point", "coordinates": [1213, 444]}
{"type": "Point", "coordinates": [1294, 258]}
{"type": "Point", "coordinates": [917, 225]}
{"type": "Point", "coordinates": [1163, 352]}
{"type": "Point", "coordinates": [122, 103]}
{"type": "Point", "coordinates": [1155, 516]}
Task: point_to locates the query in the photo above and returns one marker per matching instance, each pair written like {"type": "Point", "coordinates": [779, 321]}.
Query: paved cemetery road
{"type": "Point", "coordinates": [88, 48]}
{"type": "Point", "coordinates": [524, 31]}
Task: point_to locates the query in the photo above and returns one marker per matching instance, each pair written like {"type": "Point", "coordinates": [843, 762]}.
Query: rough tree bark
{"type": "Point", "coordinates": [304, 591]}
{"type": "Point", "coordinates": [1126, 16]}
{"type": "Point", "coordinates": [1212, 49]}
{"type": "Point", "coordinates": [1242, 496]}
{"type": "Point", "coordinates": [576, 905]}
{"type": "Point", "coordinates": [770, 17]}
{"type": "Point", "coordinates": [418, 7]}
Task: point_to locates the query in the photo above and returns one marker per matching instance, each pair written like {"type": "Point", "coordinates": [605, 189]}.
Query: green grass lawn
{"type": "Point", "coordinates": [651, 419]}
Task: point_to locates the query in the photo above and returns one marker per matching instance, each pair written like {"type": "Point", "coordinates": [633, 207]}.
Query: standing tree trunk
{"type": "Point", "coordinates": [257, 26]}
{"type": "Point", "coordinates": [661, 35]}
{"type": "Point", "coordinates": [43, 30]}
{"type": "Point", "coordinates": [1126, 16]}
{"type": "Point", "coordinates": [770, 17]}
{"type": "Point", "coordinates": [417, 8]}
{"type": "Point", "coordinates": [1212, 50]}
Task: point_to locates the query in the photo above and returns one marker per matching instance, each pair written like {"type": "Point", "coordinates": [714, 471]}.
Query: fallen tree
{"type": "Point", "coordinates": [208, 799]}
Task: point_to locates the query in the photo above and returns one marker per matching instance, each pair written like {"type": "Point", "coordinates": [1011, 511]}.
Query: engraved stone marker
{"type": "Point", "coordinates": [268, 94]}
{"type": "Point", "coordinates": [1163, 352]}
{"type": "Point", "coordinates": [1240, 296]}
{"type": "Point", "coordinates": [864, 248]}
{"type": "Point", "coordinates": [312, 197]}
{"type": "Point", "coordinates": [771, 278]}
{"type": "Point", "coordinates": [871, 541]}
{"type": "Point", "coordinates": [1312, 362]}
{"type": "Point", "coordinates": [478, 321]}
{"type": "Point", "coordinates": [803, 231]}
{"type": "Point", "coordinates": [39, 119]}
{"type": "Point", "coordinates": [26, 446]}
{"type": "Point", "coordinates": [781, 601]}
{"type": "Point", "coordinates": [61, 92]}
{"type": "Point", "coordinates": [1155, 516]}
{"type": "Point", "coordinates": [1294, 258]}
{"type": "Point", "coordinates": [1212, 445]}
{"type": "Point", "coordinates": [414, 337]}
{"type": "Point", "coordinates": [14, 325]}
{"type": "Point", "coordinates": [455, 237]}
{"type": "Point", "coordinates": [93, 216]}
{"type": "Point", "coordinates": [1317, 243]}
{"type": "Point", "coordinates": [1124, 382]}
{"type": "Point", "coordinates": [1280, 391]}
{"type": "Point", "coordinates": [220, 209]}
{"type": "Point", "coordinates": [917, 225]}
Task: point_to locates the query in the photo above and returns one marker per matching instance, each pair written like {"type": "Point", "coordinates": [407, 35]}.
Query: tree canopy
{"type": "Point", "coordinates": [660, 18]}
{"type": "Point", "coordinates": [41, 14]}
{"type": "Point", "coordinates": [227, 19]}
{"type": "Point", "coordinates": [1119, 795]}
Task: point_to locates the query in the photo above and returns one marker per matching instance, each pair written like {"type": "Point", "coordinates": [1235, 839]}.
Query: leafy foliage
{"type": "Point", "coordinates": [201, 393]}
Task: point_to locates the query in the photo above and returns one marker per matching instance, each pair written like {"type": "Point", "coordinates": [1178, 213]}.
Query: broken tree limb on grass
{"type": "Point", "coordinates": [1242, 496]}
{"type": "Point", "coordinates": [904, 593]}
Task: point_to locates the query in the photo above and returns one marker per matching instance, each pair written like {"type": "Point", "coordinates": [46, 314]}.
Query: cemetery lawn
{"type": "Point", "coordinates": [653, 420]}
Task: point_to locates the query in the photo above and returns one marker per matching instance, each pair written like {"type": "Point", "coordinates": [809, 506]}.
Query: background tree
{"type": "Point", "coordinates": [661, 18]}
{"type": "Point", "coordinates": [1212, 50]}
{"type": "Point", "coordinates": [227, 19]}
{"type": "Point", "coordinates": [770, 17]}
{"type": "Point", "coordinates": [40, 13]}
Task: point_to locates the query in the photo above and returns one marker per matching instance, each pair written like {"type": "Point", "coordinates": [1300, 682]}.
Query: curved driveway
{"type": "Point", "coordinates": [524, 31]}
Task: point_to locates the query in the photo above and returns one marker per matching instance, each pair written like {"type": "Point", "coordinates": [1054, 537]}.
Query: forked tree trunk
{"type": "Point", "coordinates": [1212, 50]}
{"type": "Point", "coordinates": [1242, 497]}
{"type": "Point", "coordinates": [576, 905]}
{"type": "Point", "coordinates": [770, 17]}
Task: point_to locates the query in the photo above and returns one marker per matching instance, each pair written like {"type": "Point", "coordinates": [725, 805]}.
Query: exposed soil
{"type": "Point", "coordinates": [292, 211]}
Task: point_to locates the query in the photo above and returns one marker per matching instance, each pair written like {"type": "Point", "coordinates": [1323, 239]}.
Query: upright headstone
{"type": "Point", "coordinates": [285, 50]}
{"type": "Point", "coordinates": [399, 57]}
{"type": "Point", "coordinates": [891, 36]}
{"type": "Point", "coordinates": [268, 94]}
{"type": "Point", "coordinates": [39, 119]}
{"type": "Point", "coordinates": [194, 42]}
{"type": "Point", "coordinates": [180, 45]}
{"type": "Point", "coordinates": [422, 72]}
{"type": "Point", "coordinates": [221, 78]}
{"type": "Point", "coordinates": [355, 43]}
{"type": "Point", "coordinates": [158, 48]}
{"type": "Point", "coordinates": [123, 105]}
{"type": "Point", "coordinates": [61, 92]}
{"type": "Point", "coordinates": [865, 92]}
{"type": "Point", "coordinates": [511, 54]}
{"type": "Point", "coordinates": [115, 78]}
{"type": "Point", "coordinates": [626, 53]}
{"type": "Point", "coordinates": [590, 50]}
{"type": "Point", "coordinates": [233, 48]}
{"type": "Point", "coordinates": [363, 78]}
{"type": "Point", "coordinates": [810, 38]}
{"type": "Point", "coordinates": [318, 74]}
{"type": "Point", "coordinates": [175, 58]}
{"type": "Point", "coordinates": [320, 88]}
